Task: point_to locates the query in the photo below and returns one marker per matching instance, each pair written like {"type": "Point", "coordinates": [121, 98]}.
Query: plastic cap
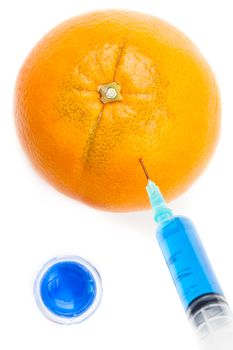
{"type": "Point", "coordinates": [68, 289]}
{"type": "Point", "coordinates": [161, 211]}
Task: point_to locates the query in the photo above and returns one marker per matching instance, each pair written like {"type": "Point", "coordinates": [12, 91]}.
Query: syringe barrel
{"type": "Point", "coordinates": [196, 283]}
{"type": "Point", "coordinates": [186, 259]}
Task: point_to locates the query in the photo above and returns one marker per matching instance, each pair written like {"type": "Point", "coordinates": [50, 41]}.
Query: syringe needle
{"type": "Point", "coordinates": [144, 169]}
{"type": "Point", "coordinates": [161, 211]}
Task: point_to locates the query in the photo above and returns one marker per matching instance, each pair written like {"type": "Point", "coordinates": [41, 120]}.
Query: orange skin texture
{"type": "Point", "coordinates": [169, 114]}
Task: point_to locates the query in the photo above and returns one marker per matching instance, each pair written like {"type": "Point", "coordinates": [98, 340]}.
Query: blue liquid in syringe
{"type": "Point", "coordinates": [183, 252]}
{"type": "Point", "coordinates": [186, 259]}
{"type": "Point", "coordinates": [194, 278]}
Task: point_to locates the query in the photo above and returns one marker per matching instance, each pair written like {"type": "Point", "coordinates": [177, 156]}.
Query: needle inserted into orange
{"type": "Point", "coordinates": [144, 168]}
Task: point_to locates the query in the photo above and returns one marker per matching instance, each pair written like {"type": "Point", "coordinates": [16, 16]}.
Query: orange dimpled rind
{"type": "Point", "coordinates": [101, 91]}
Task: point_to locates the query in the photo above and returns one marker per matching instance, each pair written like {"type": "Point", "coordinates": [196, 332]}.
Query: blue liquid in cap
{"type": "Point", "coordinates": [68, 289]}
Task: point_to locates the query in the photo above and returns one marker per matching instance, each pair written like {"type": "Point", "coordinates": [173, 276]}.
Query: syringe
{"type": "Point", "coordinates": [193, 276]}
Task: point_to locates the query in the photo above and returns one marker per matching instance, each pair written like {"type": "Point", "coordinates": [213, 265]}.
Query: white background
{"type": "Point", "coordinates": [140, 307]}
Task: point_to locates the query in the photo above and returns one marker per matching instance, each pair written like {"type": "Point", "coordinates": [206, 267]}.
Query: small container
{"type": "Point", "coordinates": [68, 289]}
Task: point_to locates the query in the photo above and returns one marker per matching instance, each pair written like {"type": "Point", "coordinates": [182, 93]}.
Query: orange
{"type": "Point", "coordinates": [106, 88]}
